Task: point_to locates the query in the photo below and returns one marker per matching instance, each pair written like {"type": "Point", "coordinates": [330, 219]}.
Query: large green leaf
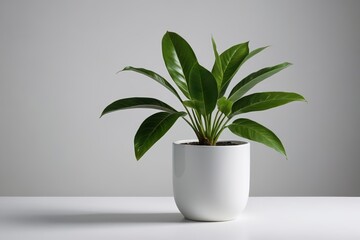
{"type": "Point", "coordinates": [137, 102]}
{"type": "Point", "coordinates": [179, 59]}
{"type": "Point", "coordinates": [152, 129]}
{"type": "Point", "coordinates": [203, 89]}
{"type": "Point", "coordinates": [217, 69]}
{"type": "Point", "coordinates": [251, 130]}
{"type": "Point", "coordinates": [264, 100]}
{"type": "Point", "coordinates": [250, 81]}
{"type": "Point", "coordinates": [154, 76]}
{"type": "Point", "coordinates": [231, 60]}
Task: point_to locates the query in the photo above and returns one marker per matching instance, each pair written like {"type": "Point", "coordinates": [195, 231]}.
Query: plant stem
{"type": "Point", "coordinates": [218, 126]}
{"type": "Point", "coordinates": [221, 129]}
{"type": "Point", "coordinates": [198, 123]}
{"type": "Point", "coordinates": [216, 117]}
{"type": "Point", "coordinates": [191, 119]}
{"type": "Point", "coordinates": [216, 122]}
{"type": "Point", "coordinates": [208, 126]}
{"type": "Point", "coordinates": [192, 126]}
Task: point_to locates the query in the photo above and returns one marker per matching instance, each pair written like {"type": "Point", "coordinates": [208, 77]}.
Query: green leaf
{"type": "Point", "coordinates": [224, 105]}
{"type": "Point", "coordinates": [203, 89]}
{"type": "Point", "coordinates": [231, 61]}
{"type": "Point", "coordinates": [179, 59]}
{"type": "Point", "coordinates": [190, 103]}
{"type": "Point", "coordinates": [264, 100]}
{"type": "Point", "coordinates": [253, 53]}
{"type": "Point", "coordinates": [254, 78]}
{"type": "Point", "coordinates": [137, 102]}
{"type": "Point", "coordinates": [154, 76]}
{"type": "Point", "coordinates": [219, 74]}
{"type": "Point", "coordinates": [217, 69]}
{"type": "Point", "coordinates": [152, 129]}
{"type": "Point", "coordinates": [251, 130]}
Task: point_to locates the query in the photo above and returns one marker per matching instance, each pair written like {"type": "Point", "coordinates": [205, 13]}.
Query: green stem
{"type": "Point", "coordinates": [216, 117]}
{"type": "Point", "coordinates": [221, 129]}
{"type": "Point", "coordinates": [191, 119]}
{"type": "Point", "coordinates": [216, 122]}
{"type": "Point", "coordinates": [198, 123]}
{"type": "Point", "coordinates": [222, 118]}
{"type": "Point", "coordinates": [193, 125]}
{"type": "Point", "coordinates": [208, 126]}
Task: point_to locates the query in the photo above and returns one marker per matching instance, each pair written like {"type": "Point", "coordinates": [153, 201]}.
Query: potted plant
{"type": "Point", "coordinates": [210, 177]}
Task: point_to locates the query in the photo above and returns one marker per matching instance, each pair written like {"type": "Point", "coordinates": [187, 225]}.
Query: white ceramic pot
{"type": "Point", "coordinates": [211, 183]}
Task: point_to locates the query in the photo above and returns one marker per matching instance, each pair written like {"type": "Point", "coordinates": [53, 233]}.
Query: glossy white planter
{"type": "Point", "coordinates": [211, 183]}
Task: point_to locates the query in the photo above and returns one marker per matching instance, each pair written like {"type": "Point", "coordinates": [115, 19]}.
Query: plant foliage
{"type": "Point", "coordinates": [208, 109]}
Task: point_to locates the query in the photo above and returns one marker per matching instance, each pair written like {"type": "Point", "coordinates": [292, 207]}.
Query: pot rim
{"type": "Point", "coordinates": [239, 143]}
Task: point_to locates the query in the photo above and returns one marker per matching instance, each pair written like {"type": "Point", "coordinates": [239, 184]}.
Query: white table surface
{"type": "Point", "coordinates": [158, 218]}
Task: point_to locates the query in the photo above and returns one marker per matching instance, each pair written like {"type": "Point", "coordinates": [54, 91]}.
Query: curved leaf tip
{"type": "Point", "coordinates": [125, 68]}
{"type": "Point", "coordinates": [263, 101]}
{"type": "Point", "coordinates": [138, 102]}
{"type": "Point", "coordinates": [252, 130]}
{"type": "Point", "coordinates": [152, 129]}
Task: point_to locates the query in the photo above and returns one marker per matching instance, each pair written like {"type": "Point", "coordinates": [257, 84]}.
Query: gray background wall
{"type": "Point", "coordinates": [57, 72]}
